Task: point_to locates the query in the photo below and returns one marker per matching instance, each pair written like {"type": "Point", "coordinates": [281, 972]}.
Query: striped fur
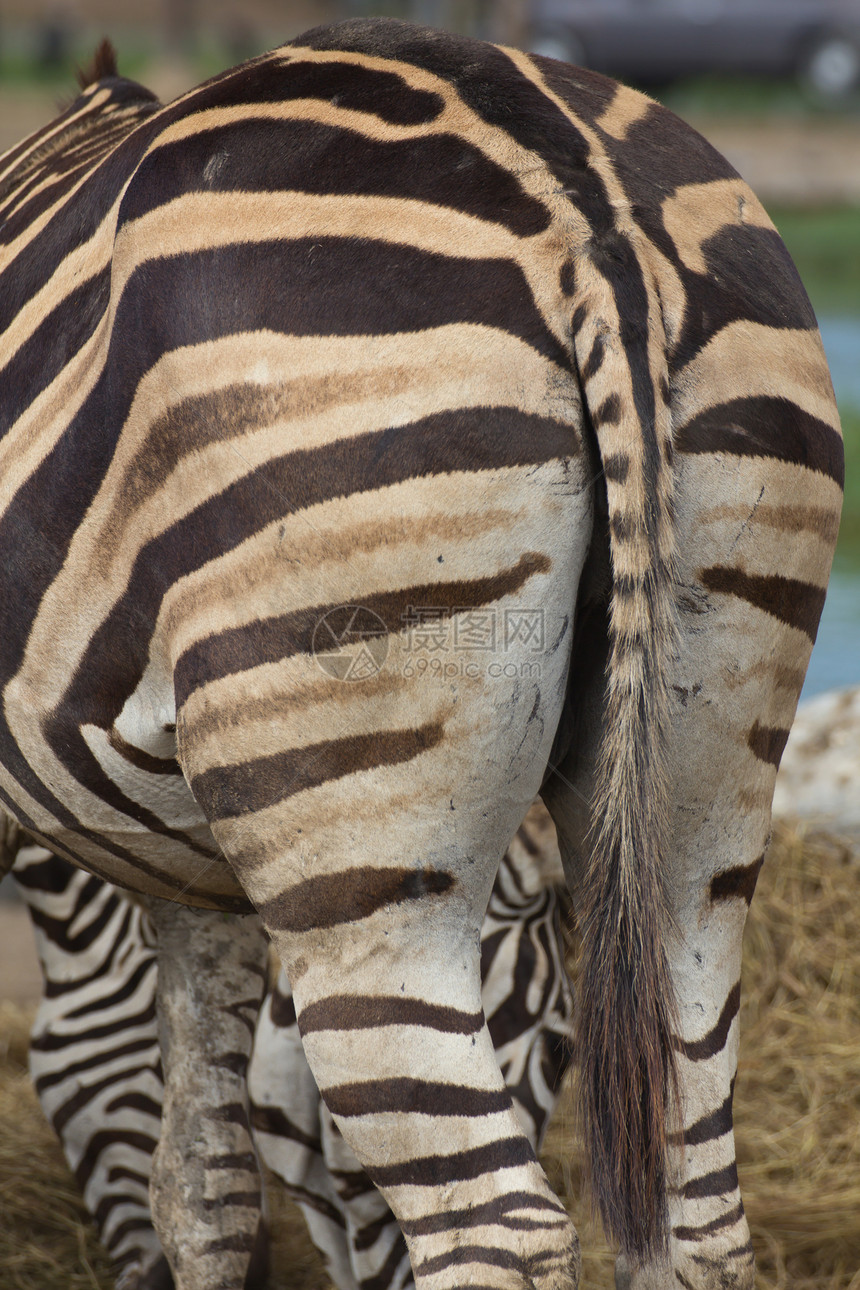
{"type": "Point", "coordinates": [383, 320]}
{"type": "Point", "coordinates": [96, 1064]}
{"type": "Point", "coordinates": [94, 1053]}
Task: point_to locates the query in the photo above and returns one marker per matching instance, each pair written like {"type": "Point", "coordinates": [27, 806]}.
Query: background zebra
{"type": "Point", "coordinates": [383, 321]}
{"type": "Point", "coordinates": [96, 1066]}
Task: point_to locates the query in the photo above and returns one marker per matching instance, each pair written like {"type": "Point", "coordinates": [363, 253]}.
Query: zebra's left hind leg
{"type": "Point", "coordinates": [206, 1187]}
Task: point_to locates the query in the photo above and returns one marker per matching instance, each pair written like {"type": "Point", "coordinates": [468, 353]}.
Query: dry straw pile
{"type": "Point", "coordinates": [797, 1109]}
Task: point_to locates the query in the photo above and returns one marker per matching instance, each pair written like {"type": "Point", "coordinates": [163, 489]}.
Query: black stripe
{"type": "Point", "coordinates": [141, 759]}
{"type": "Point", "coordinates": [57, 930]}
{"type": "Point", "coordinates": [699, 1050]}
{"type": "Point", "coordinates": [798, 604]}
{"type": "Point", "coordinates": [381, 93]}
{"type": "Point", "coordinates": [703, 1230]}
{"type": "Point", "coordinates": [135, 1101]}
{"type": "Point", "coordinates": [384, 1277]}
{"type": "Point", "coordinates": [52, 874]}
{"type": "Point", "coordinates": [718, 1183]}
{"type": "Point", "coordinates": [106, 1002]}
{"type": "Point", "coordinates": [414, 1096]}
{"type": "Point", "coordinates": [459, 1166]}
{"type": "Point", "coordinates": [366, 1012]}
{"type": "Point", "coordinates": [256, 155]}
{"type": "Point", "coordinates": [86, 1092]}
{"type": "Point", "coordinates": [283, 1009]}
{"type": "Point", "coordinates": [502, 1210]}
{"type": "Point", "coordinates": [465, 439]}
{"type": "Point", "coordinates": [110, 1202]}
{"type": "Point", "coordinates": [120, 1173]}
{"type": "Point", "coordinates": [105, 1138]}
{"type": "Point", "coordinates": [744, 1251]}
{"type": "Point", "coordinates": [351, 1183]}
{"type": "Point", "coordinates": [272, 639]}
{"type": "Point", "coordinates": [764, 426]}
{"type": "Point", "coordinates": [302, 1196]}
{"type": "Point", "coordinates": [53, 1042]}
{"type": "Point", "coordinates": [616, 467]}
{"type": "Point", "coordinates": [236, 1062]}
{"type": "Point", "coordinates": [331, 900]}
{"type": "Point", "coordinates": [714, 1125]}
{"type": "Point", "coordinates": [53, 988]}
{"type": "Point", "coordinates": [366, 1236]}
{"type": "Point", "coordinates": [462, 1254]}
{"type": "Point", "coordinates": [236, 1243]}
{"type": "Point", "coordinates": [768, 743]}
{"type": "Point", "coordinates": [52, 1078]}
{"type": "Point", "coordinates": [594, 362]}
{"type": "Point", "coordinates": [739, 882]}
{"type": "Point", "coordinates": [296, 287]}
{"type": "Point", "coordinates": [226, 792]}
{"type": "Point", "coordinates": [609, 412]}
{"type": "Point", "coordinates": [242, 1160]}
{"type": "Point", "coordinates": [272, 1120]}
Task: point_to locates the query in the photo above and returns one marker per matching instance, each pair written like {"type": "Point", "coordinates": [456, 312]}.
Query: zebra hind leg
{"type": "Point", "coordinates": [395, 1035]}
{"type": "Point", "coordinates": [528, 1003]}
{"type": "Point", "coordinates": [206, 1186]}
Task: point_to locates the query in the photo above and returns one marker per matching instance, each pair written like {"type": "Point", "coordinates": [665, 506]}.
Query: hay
{"type": "Point", "coordinates": [797, 1110]}
{"type": "Point", "coordinates": [797, 1098]}
{"type": "Point", "coordinates": [47, 1240]}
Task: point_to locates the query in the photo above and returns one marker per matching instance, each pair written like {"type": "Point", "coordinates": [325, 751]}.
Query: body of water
{"type": "Point", "coordinates": [841, 338]}
{"type": "Point", "coordinates": [835, 659]}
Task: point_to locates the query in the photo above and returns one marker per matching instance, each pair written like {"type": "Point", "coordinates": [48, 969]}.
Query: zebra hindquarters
{"type": "Point", "coordinates": [205, 1184]}
{"type": "Point", "coordinates": [755, 543]}
{"type": "Point", "coordinates": [368, 835]}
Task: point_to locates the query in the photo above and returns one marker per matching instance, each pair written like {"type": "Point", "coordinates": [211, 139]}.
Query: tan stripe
{"type": "Point", "coordinates": [627, 109]}
{"type": "Point", "coordinates": [696, 212]}
{"type": "Point", "coordinates": [746, 359]}
{"type": "Point", "coordinates": [201, 221]}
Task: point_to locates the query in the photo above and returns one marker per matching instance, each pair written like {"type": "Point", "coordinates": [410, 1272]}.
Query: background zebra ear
{"type": "Point", "coordinates": [103, 65]}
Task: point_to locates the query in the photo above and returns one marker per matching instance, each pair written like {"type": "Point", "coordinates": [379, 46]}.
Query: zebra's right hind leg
{"type": "Point", "coordinates": [206, 1185]}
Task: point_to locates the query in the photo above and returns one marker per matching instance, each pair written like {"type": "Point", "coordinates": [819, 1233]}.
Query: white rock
{"type": "Point", "coordinates": [819, 779]}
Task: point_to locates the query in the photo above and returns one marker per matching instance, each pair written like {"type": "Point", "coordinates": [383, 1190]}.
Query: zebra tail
{"type": "Point", "coordinates": [627, 1007]}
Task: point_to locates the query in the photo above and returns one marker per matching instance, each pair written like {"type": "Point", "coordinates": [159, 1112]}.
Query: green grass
{"type": "Point", "coordinates": [825, 246]}
{"type": "Point", "coordinates": [750, 96]}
